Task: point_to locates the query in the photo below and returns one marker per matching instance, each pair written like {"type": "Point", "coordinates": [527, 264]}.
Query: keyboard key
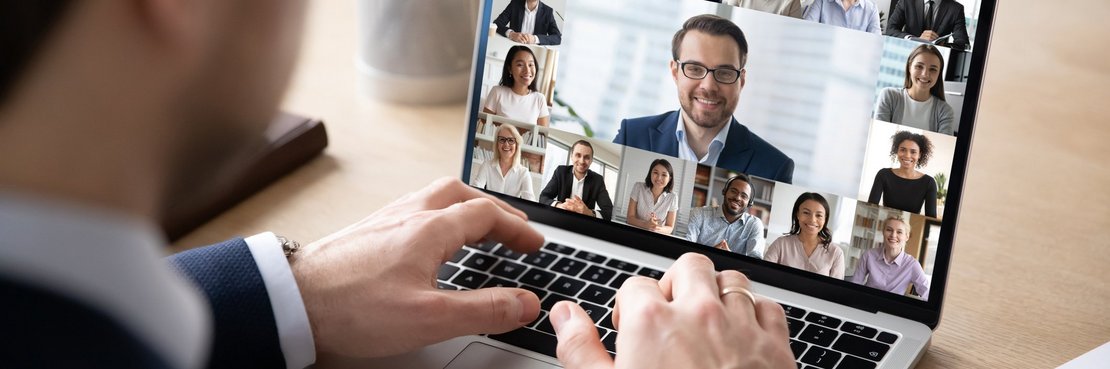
{"type": "Point", "coordinates": [795, 326]}
{"type": "Point", "coordinates": [486, 246]}
{"type": "Point", "coordinates": [552, 299]}
{"type": "Point", "coordinates": [540, 259]}
{"type": "Point", "coordinates": [538, 278]}
{"type": "Point", "coordinates": [598, 274]}
{"type": "Point", "coordinates": [545, 326]}
{"type": "Point", "coordinates": [821, 358]}
{"type": "Point", "coordinates": [539, 319]}
{"type": "Point", "coordinates": [617, 282]}
{"type": "Point", "coordinates": [590, 257]}
{"type": "Point", "coordinates": [886, 337]}
{"type": "Point", "coordinates": [469, 279]}
{"type": "Point", "coordinates": [562, 249]}
{"type": "Point", "coordinates": [852, 362]}
{"type": "Point", "coordinates": [607, 321]}
{"type": "Point", "coordinates": [539, 292]}
{"type": "Point", "coordinates": [818, 335]}
{"type": "Point", "coordinates": [798, 347]}
{"type": "Point", "coordinates": [480, 262]}
{"type": "Point", "coordinates": [567, 286]}
{"type": "Point", "coordinates": [622, 265]}
{"type": "Point", "coordinates": [597, 294]}
{"type": "Point", "coordinates": [569, 267]}
{"type": "Point", "coordinates": [861, 347]}
{"type": "Point", "coordinates": [610, 341]}
{"type": "Point", "coordinates": [459, 255]}
{"type": "Point", "coordinates": [858, 329]}
{"type": "Point", "coordinates": [650, 273]}
{"type": "Point", "coordinates": [824, 320]}
{"type": "Point", "coordinates": [499, 282]}
{"type": "Point", "coordinates": [507, 253]}
{"type": "Point", "coordinates": [793, 312]}
{"type": "Point", "coordinates": [508, 269]}
{"type": "Point", "coordinates": [529, 339]}
{"type": "Point", "coordinates": [445, 286]}
{"type": "Point", "coordinates": [446, 271]}
{"type": "Point", "coordinates": [595, 312]}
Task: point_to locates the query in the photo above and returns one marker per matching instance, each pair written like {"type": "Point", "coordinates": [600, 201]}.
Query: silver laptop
{"type": "Point", "coordinates": [852, 128]}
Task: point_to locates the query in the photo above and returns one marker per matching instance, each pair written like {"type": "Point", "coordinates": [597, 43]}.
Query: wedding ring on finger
{"type": "Point", "coordinates": [740, 290]}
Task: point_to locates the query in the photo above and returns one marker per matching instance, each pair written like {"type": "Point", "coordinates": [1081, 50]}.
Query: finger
{"type": "Point", "coordinates": [486, 310]}
{"type": "Point", "coordinates": [481, 219]}
{"type": "Point", "coordinates": [771, 317]}
{"type": "Point", "coordinates": [737, 304]}
{"type": "Point", "coordinates": [579, 346]}
{"type": "Point", "coordinates": [691, 276]}
{"type": "Point", "coordinates": [447, 191]}
{"type": "Point", "coordinates": [635, 292]}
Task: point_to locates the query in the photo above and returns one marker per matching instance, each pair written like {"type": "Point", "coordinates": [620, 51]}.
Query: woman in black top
{"type": "Point", "coordinates": [905, 188]}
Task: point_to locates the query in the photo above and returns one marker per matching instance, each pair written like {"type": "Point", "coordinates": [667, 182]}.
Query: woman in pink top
{"type": "Point", "coordinates": [808, 245]}
{"type": "Point", "coordinates": [890, 268]}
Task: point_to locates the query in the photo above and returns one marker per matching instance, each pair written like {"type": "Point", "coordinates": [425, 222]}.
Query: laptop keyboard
{"type": "Point", "coordinates": [559, 272]}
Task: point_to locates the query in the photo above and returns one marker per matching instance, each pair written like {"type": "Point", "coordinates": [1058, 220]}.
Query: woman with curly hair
{"type": "Point", "coordinates": [905, 188]}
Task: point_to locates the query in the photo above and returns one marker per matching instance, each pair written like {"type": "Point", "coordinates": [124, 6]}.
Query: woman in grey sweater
{"type": "Point", "coordinates": [920, 103]}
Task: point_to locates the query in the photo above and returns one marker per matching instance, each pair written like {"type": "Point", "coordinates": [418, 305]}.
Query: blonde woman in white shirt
{"type": "Point", "coordinates": [652, 205]}
{"type": "Point", "coordinates": [504, 173]}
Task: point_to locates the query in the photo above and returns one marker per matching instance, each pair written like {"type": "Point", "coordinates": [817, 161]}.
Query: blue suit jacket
{"type": "Point", "coordinates": [48, 330]}
{"type": "Point", "coordinates": [513, 18]}
{"type": "Point", "coordinates": [744, 151]}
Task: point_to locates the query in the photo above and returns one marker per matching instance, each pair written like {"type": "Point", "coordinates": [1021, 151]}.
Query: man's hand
{"type": "Point", "coordinates": [682, 321]}
{"type": "Point", "coordinates": [723, 245]}
{"type": "Point", "coordinates": [370, 288]}
{"type": "Point", "coordinates": [929, 35]}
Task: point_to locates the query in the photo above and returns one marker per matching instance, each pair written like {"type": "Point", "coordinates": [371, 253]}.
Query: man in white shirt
{"type": "Point", "coordinates": [529, 22]}
{"type": "Point", "coordinates": [729, 227]}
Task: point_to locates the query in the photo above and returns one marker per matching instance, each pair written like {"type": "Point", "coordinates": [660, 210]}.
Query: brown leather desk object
{"type": "Point", "coordinates": [293, 141]}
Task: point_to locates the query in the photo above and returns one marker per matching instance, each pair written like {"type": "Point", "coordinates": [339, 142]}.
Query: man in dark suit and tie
{"type": "Point", "coordinates": [577, 188]}
{"type": "Point", "coordinates": [929, 20]}
{"type": "Point", "coordinates": [110, 108]}
{"type": "Point", "coordinates": [708, 69]}
{"type": "Point", "coordinates": [529, 22]}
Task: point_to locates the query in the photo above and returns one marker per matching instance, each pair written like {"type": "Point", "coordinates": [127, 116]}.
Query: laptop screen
{"type": "Point", "coordinates": [819, 136]}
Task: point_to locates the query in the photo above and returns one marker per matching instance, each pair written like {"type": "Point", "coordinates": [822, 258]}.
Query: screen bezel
{"type": "Point", "coordinates": [838, 291]}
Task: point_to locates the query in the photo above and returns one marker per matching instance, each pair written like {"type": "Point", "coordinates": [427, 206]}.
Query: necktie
{"type": "Point", "coordinates": [929, 15]}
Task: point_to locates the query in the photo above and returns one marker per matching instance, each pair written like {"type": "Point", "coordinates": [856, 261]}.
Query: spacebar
{"type": "Point", "coordinates": [529, 339]}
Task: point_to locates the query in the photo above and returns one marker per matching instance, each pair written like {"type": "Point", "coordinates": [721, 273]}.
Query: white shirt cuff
{"type": "Point", "coordinates": [294, 332]}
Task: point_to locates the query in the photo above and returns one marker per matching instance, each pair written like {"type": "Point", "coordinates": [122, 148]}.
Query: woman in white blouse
{"type": "Point", "coordinates": [504, 173]}
{"type": "Point", "coordinates": [516, 97]}
{"type": "Point", "coordinates": [653, 205]}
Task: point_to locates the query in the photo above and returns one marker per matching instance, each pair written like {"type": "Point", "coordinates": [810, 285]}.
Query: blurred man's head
{"type": "Point", "coordinates": [170, 92]}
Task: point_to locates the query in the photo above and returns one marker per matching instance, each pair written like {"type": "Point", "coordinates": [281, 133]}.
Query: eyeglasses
{"type": "Point", "coordinates": [506, 141]}
{"type": "Point", "coordinates": [724, 75]}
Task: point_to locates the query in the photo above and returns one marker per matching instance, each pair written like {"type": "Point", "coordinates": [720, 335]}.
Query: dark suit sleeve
{"type": "Point", "coordinates": [550, 35]}
{"type": "Point", "coordinates": [786, 172]}
{"type": "Point", "coordinates": [551, 192]}
{"type": "Point", "coordinates": [604, 201]}
{"type": "Point", "coordinates": [245, 328]}
{"type": "Point", "coordinates": [897, 21]}
{"type": "Point", "coordinates": [959, 31]}
{"type": "Point", "coordinates": [502, 21]}
{"type": "Point", "coordinates": [620, 139]}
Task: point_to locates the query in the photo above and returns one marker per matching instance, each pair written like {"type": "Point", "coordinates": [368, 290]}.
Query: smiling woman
{"type": "Point", "coordinates": [516, 96]}
{"type": "Point", "coordinates": [906, 188]}
{"type": "Point", "coordinates": [920, 102]}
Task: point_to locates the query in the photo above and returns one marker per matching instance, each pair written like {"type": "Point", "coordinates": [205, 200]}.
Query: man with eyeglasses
{"type": "Point", "coordinates": [708, 69]}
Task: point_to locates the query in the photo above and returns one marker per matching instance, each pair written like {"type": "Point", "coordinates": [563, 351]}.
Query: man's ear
{"type": "Point", "coordinates": [176, 24]}
{"type": "Point", "coordinates": [743, 77]}
{"type": "Point", "coordinates": [674, 70]}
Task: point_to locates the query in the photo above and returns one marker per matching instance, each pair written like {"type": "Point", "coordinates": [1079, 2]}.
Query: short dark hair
{"type": "Point", "coordinates": [923, 144]}
{"type": "Point", "coordinates": [583, 143]}
{"type": "Point", "coordinates": [506, 77]}
{"type": "Point", "coordinates": [825, 235]}
{"type": "Point", "coordinates": [670, 170]}
{"type": "Point", "coordinates": [738, 177]}
{"type": "Point", "coordinates": [713, 25]}
{"type": "Point", "coordinates": [27, 25]}
{"type": "Point", "coordinates": [938, 87]}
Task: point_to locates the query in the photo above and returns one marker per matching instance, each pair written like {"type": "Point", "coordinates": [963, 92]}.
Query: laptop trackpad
{"type": "Point", "coordinates": [478, 355]}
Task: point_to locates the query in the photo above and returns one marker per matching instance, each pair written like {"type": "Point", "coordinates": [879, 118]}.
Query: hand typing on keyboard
{"type": "Point", "coordinates": [369, 289]}
{"type": "Point", "coordinates": [693, 317]}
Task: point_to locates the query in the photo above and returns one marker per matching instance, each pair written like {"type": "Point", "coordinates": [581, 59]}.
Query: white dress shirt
{"type": "Point", "coordinates": [517, 182]}
{"type": "Point", "coordinates": [115, 263]}
{"type": "Point", "coordinates": [685, 152]}
{"type": "Point", "coordinates": [529, 25]}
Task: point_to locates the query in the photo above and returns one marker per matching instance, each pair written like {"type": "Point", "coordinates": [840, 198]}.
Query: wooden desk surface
{"type": "Point", "coordinates": [1030, 280]}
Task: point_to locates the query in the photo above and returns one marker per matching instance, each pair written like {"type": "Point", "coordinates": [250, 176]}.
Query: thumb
{"type": "Point", "coordinates": [486, 310]}
{"type": "Point", "coordinates": [579, 346]}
